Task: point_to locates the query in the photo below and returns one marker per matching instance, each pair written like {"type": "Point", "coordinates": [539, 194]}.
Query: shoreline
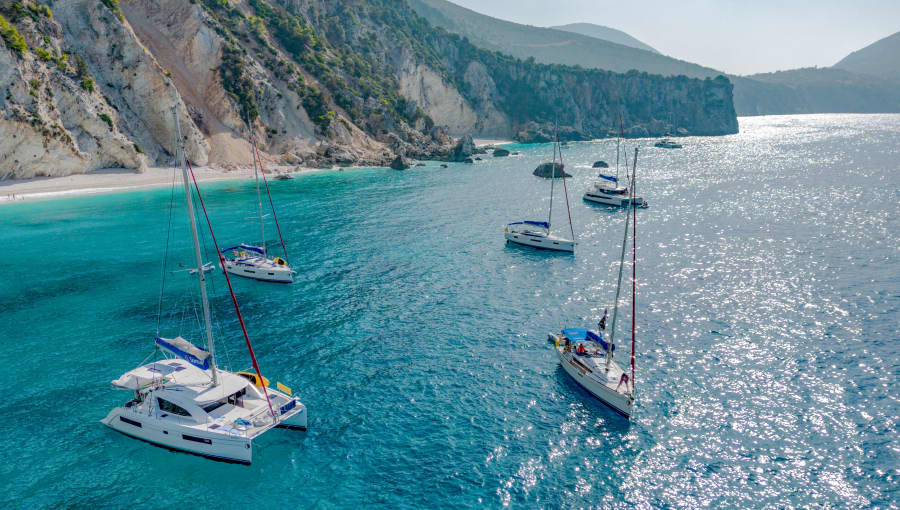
{"type": "Point", "coordinates": [112, 180]}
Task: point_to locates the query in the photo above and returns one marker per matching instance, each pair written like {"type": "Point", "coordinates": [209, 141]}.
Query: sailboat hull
{"type": "Point", "coordinates": [602, 385]}
{"type": "Point", "coordinates": [540, 240]}
{"type": "Point", "coordinates": [260, 269]}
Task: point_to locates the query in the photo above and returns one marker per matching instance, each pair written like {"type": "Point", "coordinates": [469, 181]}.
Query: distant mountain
{"type": "Point", "coordinates": [863, 82]}
{"type": "Point", "coordinates": [606, 34]}
{"type": "Point", "coordinates": [814, 90]}
{"type": "Point", "coordinates": [551, 46]}
{"type": "Point", "coordinates": [881, 59]}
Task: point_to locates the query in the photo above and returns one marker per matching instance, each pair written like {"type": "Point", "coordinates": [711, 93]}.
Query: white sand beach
{"type": "Point", "coordinates": [109, 180]}
{"type": "Point", "coordinates": [481, 142]}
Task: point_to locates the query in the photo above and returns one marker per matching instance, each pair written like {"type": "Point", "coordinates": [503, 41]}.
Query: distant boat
{"type": "Point", "coordinates": [536, 234]}
{"type": "Point", "coordinates": [187, 403]}
{"type": "Point", "coordinates": [588, 357]}
{"type": "Point", "coordinates": [666, 143]}
{"type": "Point", "coordinates": [249, 261]}
{"type": "Point", "coordinates": [607, 191]}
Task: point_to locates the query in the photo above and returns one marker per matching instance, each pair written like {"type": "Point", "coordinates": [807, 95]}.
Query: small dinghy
{"type": "Point", "coordinates": [588, 357]}
{"type": "Point", "coordinates": [536, 234]}
{"type": "Point", "coordinates": [666, 143]}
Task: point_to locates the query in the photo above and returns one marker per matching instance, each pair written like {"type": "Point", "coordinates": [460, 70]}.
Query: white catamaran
{"type": "Point", "coordinates": [251, 261]}
{"type": "Point", "coordinates": [588, 357]}
{"type": "Point", "coordinates": [186, 402]}
{"type": "Point", "coordinates": [536, 234]}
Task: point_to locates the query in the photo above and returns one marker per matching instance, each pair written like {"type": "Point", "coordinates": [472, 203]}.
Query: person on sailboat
{"type": "Point", "coordinates": [602, 324]}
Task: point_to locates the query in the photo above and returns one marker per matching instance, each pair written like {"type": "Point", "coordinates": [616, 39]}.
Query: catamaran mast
{"type": "Point", "coordinates": [262, 228]}
{"type": "Point", "coordinates": [200, 272]}
{"type": "Point", "coordinates": [612, 333]}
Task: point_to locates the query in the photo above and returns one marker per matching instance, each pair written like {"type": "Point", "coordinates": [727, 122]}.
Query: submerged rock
{"type": "Point", "coordinates": [443, 165]}
{"type": "Point", "coordinates": [600, 164]}
{"type": "Point", "coordinates": [399, 163]}
{"type": "Point", "coordinates": [469, 161]}
{"type": "Point", "coordinates": [547, 170]}
{"type": "Point", "coordinates": [501, 153]}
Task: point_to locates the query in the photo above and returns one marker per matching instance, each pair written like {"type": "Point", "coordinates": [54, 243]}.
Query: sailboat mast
{"type": "Point", "coordinates": [552, 178]}
{"type": "Point", "coordinates": [200, 272]}
{"type": "Point", "coordinates": [633, 271]}
{"type": "Point", "coordinates": [262, 228]}
{"type": "Point", "coordinates": [612, 333]}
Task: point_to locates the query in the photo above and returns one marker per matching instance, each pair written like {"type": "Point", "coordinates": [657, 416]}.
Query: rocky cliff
{"type": "Point", "coordinates": [92, 83]}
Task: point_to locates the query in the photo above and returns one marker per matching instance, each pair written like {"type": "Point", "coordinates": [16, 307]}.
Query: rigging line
{"type": "Point", "coordinates": [237, 308]}
{"type": "Point", "coordinates": [565, 190]}
{"type": "Point", "coordinates": [612, 334]}
{"type": "Point", "coordinates": [271, 203]}
{"type": "Point", "coordinates": [162, 285]}
{"type": "Point", "coordinates": [633, 264]}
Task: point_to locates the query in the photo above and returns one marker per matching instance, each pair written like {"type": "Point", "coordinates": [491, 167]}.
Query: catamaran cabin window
{"type": "Point", "coordinates": [168, 407]}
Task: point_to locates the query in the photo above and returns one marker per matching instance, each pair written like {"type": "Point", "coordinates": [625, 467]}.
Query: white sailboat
{"type": "Point", "coordinates": [536, 234]}
{"type": "Point", "coordinates": [187, 403]}
{"type": "Point", "coordinates": [607, 191]}
{"type": "Point", "coordinates": [249, 261]}
{"type": "Point", "coordinates": [588, 357]}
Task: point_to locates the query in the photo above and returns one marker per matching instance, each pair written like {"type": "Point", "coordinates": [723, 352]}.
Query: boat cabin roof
{"type": "Point", "coordinates": [191, 382]}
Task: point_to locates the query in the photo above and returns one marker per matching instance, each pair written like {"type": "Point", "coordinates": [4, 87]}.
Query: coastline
{"type": "Point", "coordinates": [117, 180]}
{"type": "Point", "coordinates": [112, 180]}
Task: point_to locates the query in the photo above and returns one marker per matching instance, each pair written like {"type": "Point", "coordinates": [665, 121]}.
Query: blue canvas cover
{"type": "Point", "coordinates": [244, 247]}
{"type": "Point", "coordinates": [608, 178]}
{"type": "Point", "coordinates": [542, 224]}
{"type": "Point", "coordinates": [580, 335]}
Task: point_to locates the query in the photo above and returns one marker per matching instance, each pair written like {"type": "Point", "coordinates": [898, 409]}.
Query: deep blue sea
{"type": "Point", "coordinates": [768, 341]}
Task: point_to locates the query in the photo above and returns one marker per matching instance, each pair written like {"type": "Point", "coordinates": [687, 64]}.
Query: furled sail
{"type": "Point", "coordinates": [185, 350]}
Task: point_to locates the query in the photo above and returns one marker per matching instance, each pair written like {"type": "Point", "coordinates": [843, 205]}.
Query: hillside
{"type": "Point", "coordinates": [551, 46]}
{"type": "Point", "coordinates": [816, 90]}
{"type": "Point", "coordinates": [804, 91]}
{"type": "Point", "coordinates": [881, 58]}
{"type": "Point", "coordinates": [606, 34]}
{"type": "Point", "coordinates": [321, 82]}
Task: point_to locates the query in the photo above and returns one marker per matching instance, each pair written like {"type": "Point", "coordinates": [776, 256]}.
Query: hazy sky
{"type": "Point", "coordinates": [739, 37]}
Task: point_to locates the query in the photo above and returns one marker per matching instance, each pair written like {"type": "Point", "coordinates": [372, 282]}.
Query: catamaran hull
{"type": "Point", "coordinates": [619, 402]}
{"type": "Point", "coordinates": [546, 243]}
{"type": "Point", "coordinates": [608, 200]}
{"type": "Point", "coordinates": [276, 275]}
{"type": "Point", "coordinates": [184, 439]}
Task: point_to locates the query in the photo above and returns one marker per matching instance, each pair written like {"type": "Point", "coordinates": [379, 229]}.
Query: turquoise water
{"type": "Point", "coordinates": [767, 368]}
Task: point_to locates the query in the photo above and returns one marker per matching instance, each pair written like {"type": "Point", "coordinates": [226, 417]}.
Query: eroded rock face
{"type": "Point", "coordinates": [51, 124]}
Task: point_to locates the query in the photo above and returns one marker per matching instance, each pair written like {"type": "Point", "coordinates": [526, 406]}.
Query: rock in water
{"type": "Point", "coordinates": [601, 164]}
{"type": "Point", "coordinates": [443, 166]}
{"type": "Point", "coordinates": [546, 170]}
{"type": "Point", "coordinates": [501, 153]}
{"type": "Point", "coordinates": [399, 163]}
{"type": "Point", "coordinates": [464, 149]}
{"type": "Point", "coordinates": [469, 161]}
